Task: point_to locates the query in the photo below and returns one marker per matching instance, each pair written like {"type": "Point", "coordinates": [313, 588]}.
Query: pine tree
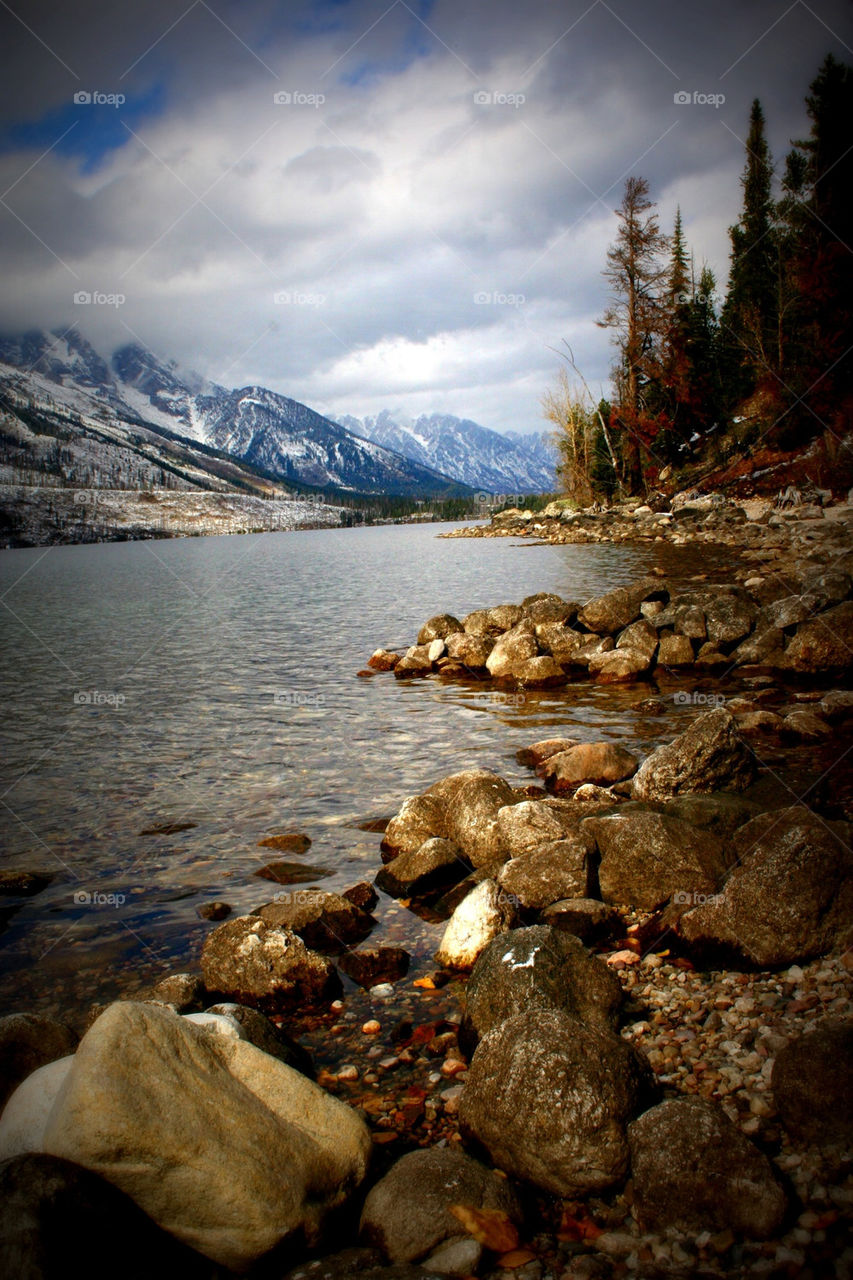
{"type": "Point", "coordinates": [749, 315]}
{"type": "Point", "coordinates": [637, 279]}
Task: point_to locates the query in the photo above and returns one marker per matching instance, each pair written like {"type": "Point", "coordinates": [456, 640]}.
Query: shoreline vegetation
{"type": "Point", "coordinates": [633, 1054]}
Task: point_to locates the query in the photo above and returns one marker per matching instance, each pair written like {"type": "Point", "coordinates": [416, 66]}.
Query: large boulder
{"type": "Point", "coordinates": [558, 869]}
{"type": "Point", "coordinates": [260, 964]}
{"type": "Point", "coordinates": [708, 756]}
{"type": "Point", "coordinates": [599, 762]}
{"type": "Point", "coordinates": [470, 651]}
{"type": "Point", "coordinates": [439, 628]}
{"type": "Point", "coordinates": [561, 642]}
{"type": "Point", "coordinates": [730, 613]}
{"type": "Point", "coordinates": [220, 1144]}
{"type": "Point", "coordinates": [29, 1041]}
{"type": "Point", "coordinates": [811, 1085]}
{"type": "Point", "coordinates": [322, 919]}
{"type": "Point", "coordinates": [265, 1035]}
{"type": "Point", "coordinates": [482, 915]}
{"type": "Point", "coordinates": [530, 823]}
{"type": "Point", "coordinates": [823, 643]}
{"type": "Point", "coordinates": [469, 803]}
{"type": "Point", "coordinates": [694, 1170]}
{"type": "Point", "coordinates": [419, 819]}
{"type": "Point", "coordinates": [675, 651]}
{"type": "Point", "coordinates": [789, 899]}
{"type": "Point", "coordinates": [435, 864]}
{"type": "Point", "coordinates": [642, 636]}
{"type": "Point", "coordinates": [25, 1115]}
{"type": "Point", "coordinates": [511, 650]}
{"type": "Point", "coordinates": [550, 1099]}
{"type": "Point", "coordinates": [648, 857]}
{"type": "Point", "coordinates": [611, 613]}
{"type": "Point", "coordinates": [620, 665]}
{"type": "Point", "coordinates": [57, 1219]}
{"type": "Point", "coordinates": [408, 1213]}
{"type": "Point", "coordinates": [538, 968]}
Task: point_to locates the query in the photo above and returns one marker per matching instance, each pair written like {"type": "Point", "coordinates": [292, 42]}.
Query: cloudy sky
{"type": "Point", "coordinates": [366, 204]}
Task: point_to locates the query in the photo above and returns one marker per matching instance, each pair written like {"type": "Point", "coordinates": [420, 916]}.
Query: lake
{"type": "Point", "coordinates": [212, 681]}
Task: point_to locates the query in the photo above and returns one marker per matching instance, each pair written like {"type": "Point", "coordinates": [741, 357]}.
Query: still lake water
{"type": "Point", "coordinates": [213, 681]}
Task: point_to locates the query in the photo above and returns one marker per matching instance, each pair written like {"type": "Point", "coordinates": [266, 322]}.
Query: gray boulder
{"type": "Point", "coordinates": [323, 920]}
{"type": "Point", "coordinates": [435, 864]}
{"type": "Point", "coordinates": [256, 963]}
{"type": "Point", "coordinates": [648, 857]}
{"type": "Point", "coordinates": [439, 628]}
{"type": "Point", "coordinates": [407, 1214]}
{"type": "Point", "coordinates": [823, 643]}
{"type": "Point", "coordinates": [512, 649]}
{"type": "Point", "coordinates": [708, 756]}
{"type": "Point", "coordinates": [599, 762]}
{"type": "Point", "coordinates": [694, 1170]}
{"type": "Point", "coordinates": [558, 869]}
{"type": "Point", "coordinates": [610, 613]}
{"type": "Point", "coordinates": [550, 1099]}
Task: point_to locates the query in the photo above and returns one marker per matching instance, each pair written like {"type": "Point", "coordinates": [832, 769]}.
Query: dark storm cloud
{"type": "Point", "coordinates": [422, 214]}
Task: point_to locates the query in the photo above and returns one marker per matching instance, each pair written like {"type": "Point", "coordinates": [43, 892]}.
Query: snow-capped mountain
{"type": "Point", "coordinates": [253, 424]}
{"type": "Point", "coordinates": [458, 447]}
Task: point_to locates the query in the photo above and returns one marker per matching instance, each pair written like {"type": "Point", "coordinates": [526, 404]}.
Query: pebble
{"type": "Point", "coordinates": [372, 1027]}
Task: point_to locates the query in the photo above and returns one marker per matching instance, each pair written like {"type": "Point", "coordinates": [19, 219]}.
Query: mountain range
{"type": "Point", "coordinates": [437, 456]}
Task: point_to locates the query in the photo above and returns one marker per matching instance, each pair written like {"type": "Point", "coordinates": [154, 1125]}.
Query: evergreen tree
{"type": "Point", "coordinates": [749, 315]}
{"type": "Point", "coordinates": [637, 312]}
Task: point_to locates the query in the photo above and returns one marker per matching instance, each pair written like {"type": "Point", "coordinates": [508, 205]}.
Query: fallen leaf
{"type": "Point", "coordinates": [516, 1258]}
{"type": "Point", "coordinates": [426, 983]}
{"type": "Point", "coordinates": [491, 1227]}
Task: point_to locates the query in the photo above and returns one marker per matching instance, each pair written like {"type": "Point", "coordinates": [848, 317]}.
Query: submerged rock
{"type": "Point", "coordinates": [256, 963]}
{"type": "Point", "coordinates": [600, 762]}
{"type": "Point", "coordinates": [323, 920]}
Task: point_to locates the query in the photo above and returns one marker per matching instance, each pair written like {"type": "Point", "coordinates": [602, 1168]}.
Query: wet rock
{"type": "Point", "coordinates": [546, 608]}
{"type": "Point", "coordinates": [182, 990]}
{"type": "Point", "coordinates": [425, 870]}
{"type": "Point", "coordinates": [23, 884]}
{"type": "Point", "coordinates": [542, 672]}
{"type": "Point", "coordinates": [710, 656]}
{"type": "Point", "coordinates": [538, 968]}
{"type": "Point", "coordinates": [591, 648]}
{"type": "Point", "coordinates": [486, 912]}
{"type": "Point", "coordinates": [686, 619]}
{"type": "Point", "coordinates": [215, 911]}
{"type": "Point", "coordinates": [560, 642]}
{"type": "Point", "coordinates": [811, 1085]}
{"type": "Point", "coordinates": [370, 966]}
{"type": "Point", "coordinates": [559, 869]}
{"type": "Point", "coordinates": [823, 643]}
{"type": "Point", "coordinates": [418, 820]}
{"type": "Point", "coordinates": [291, 872]}
{"type": "Point", "coordinates": [600, 762]}
{"type": "Point", "coordinates": [219, 1143]}
{"type": "Point", "coordinates": [708, 756]}
{"type": "Point", "coordinates": [58, 1219]}
{"type": "Point", "coordinates": [362, 895]}
{"type": "Point", "coordinates": [750, 723]}
{"type": "Point", "coordinates": [264, 965]}
{"type": "Point", "coordinates": [503, 617]}
{"type": "Point", "coordinates": [540, 751]}
{"type": "Point", "coordinates": [765, 647]}
{"type": "Point", "coordinates": [383, 660]}
{"type": "Point", "coordinates": [587, 918]}
{"type": "Point", "coordinates": [407, 1214]}
{"type": "Point", "coordinates": [470, 802]}
{"type": "Point", "coordinates": [266, 1036]}
{"type": "Point", "coordinates": [837, 704]}
{"type": "Point", "coordinates": [802, 723]}
{"type": "Point", "coordinates": [642, 636]}
{"type": "Point", "coordinates": [323, 920]}
{"type": "Point", "coordinates": [471, 651]}
{"type": "Point", "coordinates": [650, 707]}
{"type": "Point", "coordinates": [620, 665]}
{"type": "Point", "coordinates": [287, 842]}
{"type": "Point", "coordinates": [29, 1041]}
{"type": "Point", "coordinates": [479, 623]}
{"type": "Point", "coordinates": [693, 1169]}
{"type": "Point", "coordinates": [416, 661]}
{"type": "Point", "coordinates": [439, 628]}
{"type": "Point", "coordinates": [512, 649]}
{"type": "Point", "coordinates": [790, 897]}
{"type": "Point", "coordinates": [675, 651]}
{"type": "Point", "coordinates": [729, 615]}
{"type": "Point", "coordinates": [647, 857]}
{"type": "Point", "coordinates": [618, 609]}
{"type": "Point", "coordinates": [550, 1098]}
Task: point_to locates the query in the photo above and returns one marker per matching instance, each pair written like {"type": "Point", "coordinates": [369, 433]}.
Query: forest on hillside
{"type": "Point", "coordinates": [768, 368]}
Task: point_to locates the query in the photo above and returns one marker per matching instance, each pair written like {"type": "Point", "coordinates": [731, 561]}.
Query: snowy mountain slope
{"type": "Point", "coordinates": [254, 424]}
{"type": "Point", "coordinates": [458, 447]}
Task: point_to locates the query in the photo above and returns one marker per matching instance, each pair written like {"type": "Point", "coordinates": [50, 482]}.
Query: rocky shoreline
{"type": "Point", "coordinates": [633, 1058]}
